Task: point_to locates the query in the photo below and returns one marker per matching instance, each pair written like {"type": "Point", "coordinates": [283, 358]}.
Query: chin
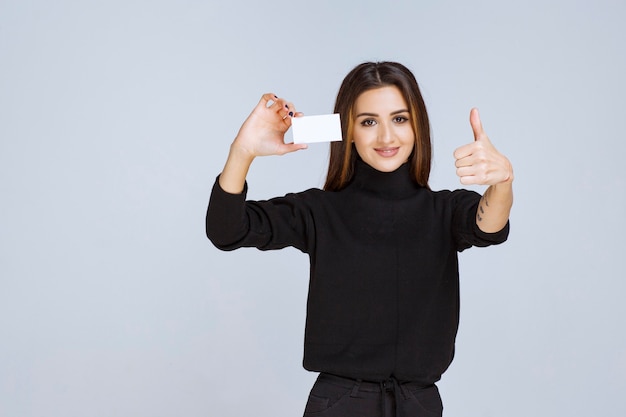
{"type": "Point", "coordinates": [386, 167]}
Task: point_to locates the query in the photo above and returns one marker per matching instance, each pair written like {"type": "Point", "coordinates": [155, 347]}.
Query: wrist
{"type": "Point", "coordinates": [505, 186]}
{"type": "Point", "coordinates": [509, 178]}
{"type": "Point", "coordinates": [240, 154]}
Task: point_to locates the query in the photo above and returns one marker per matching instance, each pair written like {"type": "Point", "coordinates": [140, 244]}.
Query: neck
{"type": "Point", "coordinates": [392, 185]}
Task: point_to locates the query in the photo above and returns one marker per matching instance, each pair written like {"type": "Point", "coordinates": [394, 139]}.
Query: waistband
{"type": "Point", "coordinates": [392, 385]}
{"type": "Point", "coordinates": [369, 386]}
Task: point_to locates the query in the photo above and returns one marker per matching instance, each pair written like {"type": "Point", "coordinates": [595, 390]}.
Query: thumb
{"type": "Point", "coordinates": [477, 126]}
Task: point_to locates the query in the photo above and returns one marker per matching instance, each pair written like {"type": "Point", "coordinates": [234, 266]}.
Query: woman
{"type": "Point", "coordinates": [382, 310]}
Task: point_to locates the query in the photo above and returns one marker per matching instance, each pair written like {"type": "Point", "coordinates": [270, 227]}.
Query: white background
{"type": "Point", "coordinates": [116, 116]}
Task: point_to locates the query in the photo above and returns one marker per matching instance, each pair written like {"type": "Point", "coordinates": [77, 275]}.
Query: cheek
{"type": "Point", "coordinates": [360, 140]}
{"type": "Point", "coordinates": [358, 148]}
{"type": "Point", "coordinates": [407, 133]}
{"type": "Point", "coordinates": [362, 137]}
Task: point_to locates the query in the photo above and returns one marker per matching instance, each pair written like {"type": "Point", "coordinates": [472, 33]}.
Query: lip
{"type": "Point", "coordinates": [387, 152]}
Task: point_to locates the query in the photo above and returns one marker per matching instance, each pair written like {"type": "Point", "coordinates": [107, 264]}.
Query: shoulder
{"type": "Point", "coordinates": [457, 196]}
{"type": "Point", "coordinates": [308, 197]}
{"type": "Point", "coordinates": [311, 194]}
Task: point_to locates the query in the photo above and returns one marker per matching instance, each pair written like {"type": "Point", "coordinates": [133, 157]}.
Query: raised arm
{"type": "Point", "coordinates": [261, 134]}
{"type": "Point", "coordinates": [480, 163]}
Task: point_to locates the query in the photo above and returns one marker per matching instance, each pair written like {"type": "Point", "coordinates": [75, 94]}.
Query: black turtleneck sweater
{"type": "Point", "coordinates": [384, 289]}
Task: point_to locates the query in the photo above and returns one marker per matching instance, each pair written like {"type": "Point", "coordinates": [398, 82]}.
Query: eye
{"type": "Point", "coordinates": [400, 119]}
{"type": "Point", "coordinates": [368, 122]}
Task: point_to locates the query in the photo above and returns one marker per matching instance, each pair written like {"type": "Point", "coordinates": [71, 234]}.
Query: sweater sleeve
{"type": "Point", "coordinates": [232, 222]}
{"type": "Point", "coordinates": [464, 228]}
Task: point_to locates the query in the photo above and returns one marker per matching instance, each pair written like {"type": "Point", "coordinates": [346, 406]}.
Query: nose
{"type": "Point", "coordinates": [385, 133]}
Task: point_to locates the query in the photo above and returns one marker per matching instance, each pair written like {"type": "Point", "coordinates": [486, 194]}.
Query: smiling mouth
{"type": "Point", "coordinates": [387, 152]}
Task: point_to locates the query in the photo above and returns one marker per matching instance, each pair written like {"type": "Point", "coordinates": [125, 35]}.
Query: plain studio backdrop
{"type": "Point", "coordinates": [116, 117]}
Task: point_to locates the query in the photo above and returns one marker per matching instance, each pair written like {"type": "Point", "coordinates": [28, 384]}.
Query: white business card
{"type": "Point", "coordinates": [311, 129]}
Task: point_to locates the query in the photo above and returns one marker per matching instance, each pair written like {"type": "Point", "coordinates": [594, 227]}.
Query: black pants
{"type": "Point", "coordinates": [334, 396]}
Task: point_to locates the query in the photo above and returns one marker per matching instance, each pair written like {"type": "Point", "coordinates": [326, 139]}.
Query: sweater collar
{"type": "Point", "coordinates": [396, 184]}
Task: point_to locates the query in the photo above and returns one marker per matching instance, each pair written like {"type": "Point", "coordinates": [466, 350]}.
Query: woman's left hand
{"type": "Point", "coordinates": [479, 162]}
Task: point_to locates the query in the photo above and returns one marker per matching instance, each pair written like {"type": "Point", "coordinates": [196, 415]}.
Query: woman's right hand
{"type": "Point", "coordinates": [263, 133]}
{"type": "Point", "coordinates": [264, 130]}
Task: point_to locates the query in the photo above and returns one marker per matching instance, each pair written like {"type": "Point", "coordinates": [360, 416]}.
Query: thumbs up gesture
{"type": "Point", "coordinates": [479, 162]}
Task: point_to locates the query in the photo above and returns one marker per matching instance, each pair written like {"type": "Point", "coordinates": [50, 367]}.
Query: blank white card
{"type": "Point", "coordinates": [310, 129]}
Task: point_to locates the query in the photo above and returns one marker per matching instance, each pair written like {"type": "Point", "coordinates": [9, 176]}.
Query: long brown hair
{"type": "Point", "coordinates": [368, 76]}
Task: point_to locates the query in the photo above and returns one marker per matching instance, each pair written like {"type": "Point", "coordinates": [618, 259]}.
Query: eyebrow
{"type": "Point", "coordinates": [376, 115]}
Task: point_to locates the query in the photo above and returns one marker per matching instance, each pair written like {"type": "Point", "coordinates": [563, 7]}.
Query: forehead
{"type": "Point", "coordinates": [383, 100]}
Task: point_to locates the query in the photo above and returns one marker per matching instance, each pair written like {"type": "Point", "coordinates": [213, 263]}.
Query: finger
{"type": "Point", "coordinates": [272, 101]}
{"type": "Point", "coordinates": [477, 126]}
{"type": "Point", "coordinates": [292, 109]}
{"type": "Point", "coordinates": [464, 151]}
{"type": "Point", "coordinates": [466, 161]}
{"type": "Point", "coordinates": [465, 171]}
{"type": "Point", "coordinates": [298, 114]}
{"type": "Point", "coordinates": [291, 147]}
{"type": "Point", "coordinates": [268, 99]}
{"type": "Point", "coordinates": [472, 175]}
{"type": "Point", "coordinates": [287, 112]}
{"type": "Point", "coordinates": [280, 107]}
{"type": "Point", "coordinates": [275, 104]}
{"type": "Point", "coordinates": [469, 180]}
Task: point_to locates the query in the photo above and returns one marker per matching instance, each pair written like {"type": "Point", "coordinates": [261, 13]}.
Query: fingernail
{"type": "Point", "coordinates": [275, 96]}
{"type": "Point", "coordinates": [291, 113]}
{"type": "Point", "coordinates": [286, 106]}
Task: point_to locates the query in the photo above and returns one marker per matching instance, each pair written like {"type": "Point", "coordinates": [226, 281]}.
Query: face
{"type": "Point", "coordinates": [383, 135]}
